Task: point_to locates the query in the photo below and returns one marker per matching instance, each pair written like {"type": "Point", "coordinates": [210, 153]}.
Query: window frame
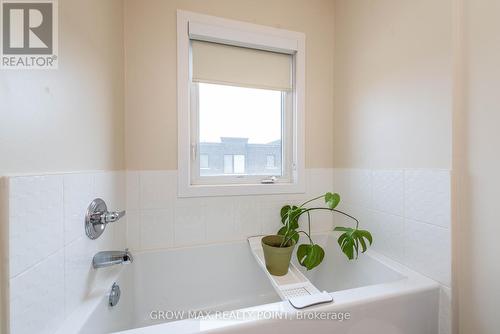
{"type": "Point", "coordinates": [208, 28]}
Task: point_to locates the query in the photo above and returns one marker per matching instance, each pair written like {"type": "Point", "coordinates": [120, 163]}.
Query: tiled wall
{"type": "Point", "coordinates": [409, 213]}
{"type": "Point", "coordinates": [158, 219]}
{"type": "Point", "coordinates": [50, 272]}
{"type": "Point", "coordinates": [49, 254]}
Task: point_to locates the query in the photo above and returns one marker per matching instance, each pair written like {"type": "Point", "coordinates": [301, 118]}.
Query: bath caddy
{"type": "Point", "coordinates": [293, 286]}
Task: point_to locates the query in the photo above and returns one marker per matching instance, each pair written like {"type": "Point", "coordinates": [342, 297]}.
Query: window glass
{"type": "Point", "coordinates": [239, 164]}
{"type": "Point", "coordinates": [270, 162]}
{"type": "Point", "coordinates": [204, 161]}
{"type": "Point", "coordinates": [239, 128]}
{"type": "Point", "coordinates": [228, 164]}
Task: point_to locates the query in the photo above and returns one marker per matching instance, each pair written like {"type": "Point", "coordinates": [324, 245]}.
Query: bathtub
{"type": "Point", "coordinates": [220, 288]}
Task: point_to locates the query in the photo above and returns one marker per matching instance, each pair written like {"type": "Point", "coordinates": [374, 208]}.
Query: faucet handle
{"type": "Point", "coordinates": [98, 217]}
{"type": "Point", "coordinates": [110, 217]}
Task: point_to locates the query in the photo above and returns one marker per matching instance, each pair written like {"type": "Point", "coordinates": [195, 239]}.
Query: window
{"type": "Point", "coordinates": [204, 161]}
{"type": "Point", "coordinates": [228, 164]}
{"type": "Point", "coordinates": [270, 162]}
{"type": "Point", "coordinates": [234, 164]}
{"type": "Point", "coordinates": [240, 95]}
{"type": "Point", "coordinates": [238, 120]}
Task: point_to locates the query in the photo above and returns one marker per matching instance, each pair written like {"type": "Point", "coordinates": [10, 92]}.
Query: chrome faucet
{"type": "Point", "coordinates": [106, 217]}
{"type": "Point", "coordinates": [98, 216]}
{"type": "Point", "coordinates": [110, 258]}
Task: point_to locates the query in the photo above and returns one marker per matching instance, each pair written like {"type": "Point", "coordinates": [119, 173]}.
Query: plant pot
{"type": "Point", "coordinates": [277, 258]}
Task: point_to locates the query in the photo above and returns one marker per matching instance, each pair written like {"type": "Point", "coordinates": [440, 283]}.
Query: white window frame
{"type": "Point", "coordinates": [213, 29]}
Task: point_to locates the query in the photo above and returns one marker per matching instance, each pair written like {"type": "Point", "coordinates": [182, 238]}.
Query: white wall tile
{"type": "Point", "coordinates": [110, 186]}
{"type": "Point", "coordinates": [156, 218]}
{"type": "Point", "coordinates": [409, 218]}
{"type": "Point", "coordinates": [119, 230]}
{"type": "Point", "coordinates": [270, 215]}
{"type": "Point", "coordinates": [219, 219]}
{"type": "Point", "coordinates": [36, 220]}
{"type": "Point", "coordinates": [428, 249]}
{"type": "Point", "coordinates": [133, 190]}
{"type": "Point", "coordinates": [78, 271]}
{"type": "Point", "coordinates": [320, 181]}
{"type": "Point", "coordinates": [190, 227]}
{"type": "Point", "coordinates": [389, 235]}
{"type": "Point", "coordinates": [247, 216]}
{"type": "Point", "coordinates": [78, 193]}
{"type": "Point", "coordinates": [211, 219]}
{"type": "Point", "coordinates": [37, 297]}
{"type": "Point", "coordinates": [354, 186]}
{"type": "Point", "coordinates": [427, 197]}
{"type": "Point", "coordinates": [363, 215]}
{"type": "Point", "coordinates": [388, 191]}
{"type": "Point", "coordinates": [321, 221]}
{"type": "Point", "coordinates": [157, 228]}
{"type": "Point", "coordinates": [158, 189]}
{"type": "Point", "coordinates": [134, 237]}
{"type": "Point", "coordinates": [50, 255]}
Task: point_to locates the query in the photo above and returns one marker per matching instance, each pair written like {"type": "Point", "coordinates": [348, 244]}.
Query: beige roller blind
{"type": "Point", "coordinates": [238, 66]}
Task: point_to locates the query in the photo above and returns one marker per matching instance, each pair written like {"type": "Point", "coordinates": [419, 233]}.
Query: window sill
{"type": "Point", "coordinates": [241, 189]}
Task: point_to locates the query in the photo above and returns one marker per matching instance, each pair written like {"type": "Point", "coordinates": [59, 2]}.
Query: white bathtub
{"type": "Point", "coordinates": [378, 296]}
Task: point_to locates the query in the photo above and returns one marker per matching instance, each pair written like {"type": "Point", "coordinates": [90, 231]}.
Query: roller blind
{"type": "Point", "coordinates": [239, 66]}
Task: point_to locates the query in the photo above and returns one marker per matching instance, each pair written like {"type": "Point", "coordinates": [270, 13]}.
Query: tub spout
{"type": "Point", "coordinates": [110, 258]}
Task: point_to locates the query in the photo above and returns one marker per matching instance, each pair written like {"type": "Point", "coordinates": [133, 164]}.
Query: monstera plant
{"type": "Point", "coordinates": [278, 248]}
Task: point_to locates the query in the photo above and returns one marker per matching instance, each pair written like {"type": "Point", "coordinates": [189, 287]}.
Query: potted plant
{"type": "Point", "coordinates": [278, 248]}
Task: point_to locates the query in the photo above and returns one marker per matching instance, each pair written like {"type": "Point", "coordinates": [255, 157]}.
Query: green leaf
{"type": "Point", "coordinates": [294, 216]}
{"type": "Point", "coordinates": [294, 236]}
{"type": "Point", "coordinates": [348, 248]}
{"type": "Point", "coordinates": [342, 239]}
{"type": "Point", "coordinates": [342, 229]}
{"type": "Point", "coordinates": [310, 256]}
{"type": "Point", "coordinates": [332, 200]}
{"type": "Point", "coordinates": [363, 244]}
{"type": "Point", "coordinates": [284, 213]}
{"type": "Point", "coordinates": [367, 235]}
{"type": "Point", "coordinates": [352, 240]}
{"type": "Point", "coordinates": [290, 215]}
{"type": "Point", "coordinates": [283, 231]}
{"type": "Point", "coordinates": [356, 246]}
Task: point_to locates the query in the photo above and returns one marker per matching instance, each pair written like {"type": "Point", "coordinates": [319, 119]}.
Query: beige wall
{"type": "Point", "coordinates": [71, 118]}
{"type": "Point", "coordinates": [477, 140]}
{"type": "Point", "coordinates": [150, 44]}
{"type": "Point", "coordinates": [393, 84]}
